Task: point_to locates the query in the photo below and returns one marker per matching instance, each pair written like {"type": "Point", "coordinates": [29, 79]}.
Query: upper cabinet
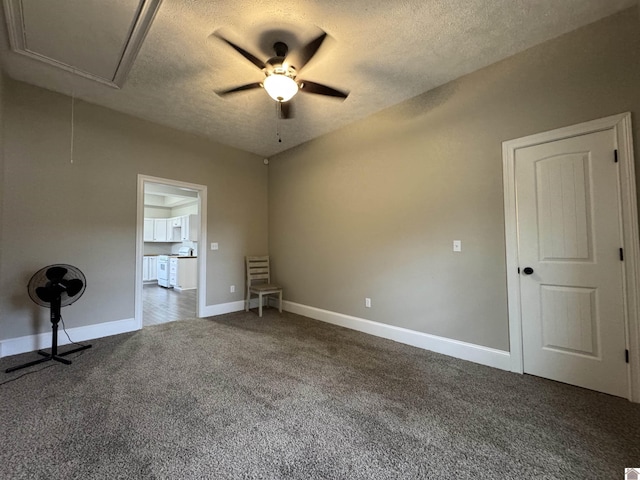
{"type": "Point", "coordinates": [160, 231]}
{"type": "Point", "coordinates": [189, 228]}
{"type": "Point", "coordinates": [176, 229]}
{"type": "Point", "coordinates": [148, 229]}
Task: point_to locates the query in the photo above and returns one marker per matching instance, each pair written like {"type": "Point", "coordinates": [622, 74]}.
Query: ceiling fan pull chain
{"type": "Point", "coordinates": [73, 101]}
{"type": "Point", "coordinates": [72, 125]}
{"type": "Point", "coordinates": [278, 115]}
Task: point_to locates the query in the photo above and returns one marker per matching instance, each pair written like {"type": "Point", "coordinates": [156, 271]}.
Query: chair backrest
{"type": "Point", "coordinates": [258, 269]}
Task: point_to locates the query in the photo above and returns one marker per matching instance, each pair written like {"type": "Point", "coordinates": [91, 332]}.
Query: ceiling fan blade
{"type": "Point", "coordinates": [253, 59]}
{"type": "Point", "coordinates": [286, 110]}
{"type": "Point", "coordinates": [241, 88]}
{"type": "Point", "coordinates": [319, 89]}
{"type": "Point", "coordinates": [309, 50]}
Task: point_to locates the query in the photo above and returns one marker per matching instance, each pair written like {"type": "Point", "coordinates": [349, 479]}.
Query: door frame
{"type": "Point", "coordinates": [621, 126]}
{"type": "Point", "coordinates": [202, 241]}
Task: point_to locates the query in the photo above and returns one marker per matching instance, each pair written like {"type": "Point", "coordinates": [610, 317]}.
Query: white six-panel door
{"type": "Point", "coordinates": [572, 280]}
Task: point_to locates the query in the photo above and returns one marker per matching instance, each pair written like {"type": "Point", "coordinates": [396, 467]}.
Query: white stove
{"type": "Point", "coordinates": [163, 270]}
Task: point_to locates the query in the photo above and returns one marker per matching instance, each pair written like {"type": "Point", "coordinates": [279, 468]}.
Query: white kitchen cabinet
{"type": "Point", "coordinates": [174, 226]}
{"type": "Point", "coordinates": [189, 228]}
{"type": "Point", "coordinates": [183, 273]}
{"type": "Point", "coordinates": [175, 229]}
{"type": "Point", "coordinates": [160, 230]}
{"type": "Point", "coordinates": [173, 271]}
{"type": "Point", "coordinates": [149, 268]}
{"type": "Point", "coordinates": [148, 229]}
{"type": "Point", "coordinates": [153, 268]}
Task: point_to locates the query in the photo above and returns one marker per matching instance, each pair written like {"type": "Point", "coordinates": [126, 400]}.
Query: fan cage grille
{"type": "Point", "coordinates": [39, 279]}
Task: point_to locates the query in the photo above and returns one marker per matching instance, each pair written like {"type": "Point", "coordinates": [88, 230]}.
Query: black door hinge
{"type": "Point", "coordinates": [626, 356]}
{"type": "Point", "coordinates": [615, 156]}
{"type": "Point", "coordinates": [518, 269]}
{"type": "Point", "coordinates": [621, 255]}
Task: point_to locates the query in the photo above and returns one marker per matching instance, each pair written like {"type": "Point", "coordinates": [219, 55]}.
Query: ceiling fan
{"type": "Point", "coordinates": [281, 80]}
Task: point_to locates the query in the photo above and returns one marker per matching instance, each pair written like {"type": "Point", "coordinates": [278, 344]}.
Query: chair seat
{"type": "Point", "coordinates": [265, 287]}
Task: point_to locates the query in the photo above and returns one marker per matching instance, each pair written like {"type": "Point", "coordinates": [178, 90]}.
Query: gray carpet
{"type": "Point", "coordinates": [236, 396]}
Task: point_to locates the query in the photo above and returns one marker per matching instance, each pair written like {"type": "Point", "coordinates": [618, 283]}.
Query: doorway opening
{"type": "Point", "coordinates": [170, 280]}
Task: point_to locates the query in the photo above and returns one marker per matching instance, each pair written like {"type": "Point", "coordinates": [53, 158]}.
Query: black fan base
{"type": "Point", "coordinates": [49, 356]}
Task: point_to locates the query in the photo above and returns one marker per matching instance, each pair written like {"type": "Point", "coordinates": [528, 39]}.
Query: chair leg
{"type": "Point", "coordinates": [260, 305]}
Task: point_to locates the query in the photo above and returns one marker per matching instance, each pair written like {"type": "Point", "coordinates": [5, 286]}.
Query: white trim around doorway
{"type": "Point", "coordinates": [621, 125]}
{"type": "Point", "coordinates": [202, 242]}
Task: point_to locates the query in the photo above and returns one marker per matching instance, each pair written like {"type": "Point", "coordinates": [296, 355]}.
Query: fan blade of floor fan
{"type": "Point", "coordinates": [45, 294]}
{"type": "Point", "coordinates": [72, 286]}
{"type": "Point", "coordinates": [252, 58]}
{"type": "Point", "coordinates": [55, 274]}
{"type": "Point", "coordinates": [309, 50]}
{"type": "Point", "coordinates": [286, 110]}
{"type": "Point", "coordinates": [241, 88]}
{"type": "Point", "coordinates": [319, 89]}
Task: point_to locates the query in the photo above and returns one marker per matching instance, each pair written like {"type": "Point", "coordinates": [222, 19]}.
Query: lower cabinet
{"type": "Point", "coordinates": [149, 268]}
{"type": "Point", "coordinates": [173, 272]}
{"type": "Point", "coordinates": [183, 273]}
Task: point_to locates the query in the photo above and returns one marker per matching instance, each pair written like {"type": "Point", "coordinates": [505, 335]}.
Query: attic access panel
{"type": "Point", "coordinates": [95, 39]}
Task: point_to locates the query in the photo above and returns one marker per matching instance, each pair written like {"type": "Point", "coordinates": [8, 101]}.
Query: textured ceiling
{"type": "Point", "coordinates": [382, 51]}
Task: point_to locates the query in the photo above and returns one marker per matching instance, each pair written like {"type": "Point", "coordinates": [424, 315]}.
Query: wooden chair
{"type": "Point", "coordinates": [258, 270]}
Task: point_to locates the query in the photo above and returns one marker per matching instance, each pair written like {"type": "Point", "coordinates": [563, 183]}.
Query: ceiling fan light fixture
{"type": "Point", "coordinates": [280, 87]}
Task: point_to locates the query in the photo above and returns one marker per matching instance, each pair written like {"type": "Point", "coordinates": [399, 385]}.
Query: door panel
{"type": "Point", "coordinates": [569, 320]}
{"type": "Point", "coordinates": [569, 233]}
{"type": "Point", "coordinates": [564, 207]}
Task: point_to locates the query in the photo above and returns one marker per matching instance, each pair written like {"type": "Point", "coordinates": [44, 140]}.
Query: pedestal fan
{"type": "Point", "coordinates": [55, 286]}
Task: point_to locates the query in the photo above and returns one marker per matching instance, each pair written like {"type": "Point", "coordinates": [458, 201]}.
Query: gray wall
{"type": "Point", "coordinates": [84, 213]}
{"type": "Point", "coordinates": [371, 210]}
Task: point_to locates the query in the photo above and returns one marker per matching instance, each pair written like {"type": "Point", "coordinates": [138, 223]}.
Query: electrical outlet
{"type": "Point", "coordinates": [367, 302]}
{"type": "Point", "coordinates": [232, 289]}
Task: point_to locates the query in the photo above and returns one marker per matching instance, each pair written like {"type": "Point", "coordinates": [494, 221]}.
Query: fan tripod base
{"type": "Point", "coordinates": [49, 356]}
{"type": "Point", "coordinates": [54, 355]}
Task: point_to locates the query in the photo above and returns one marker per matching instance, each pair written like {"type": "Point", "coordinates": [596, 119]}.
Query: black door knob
{"type": "Point", "coordinates": [527, 270]}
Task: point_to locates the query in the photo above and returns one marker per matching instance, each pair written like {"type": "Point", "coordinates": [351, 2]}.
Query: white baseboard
{"type": "Point", "coordinates": [222, 308]}
{"type": "Point", "coordinates": [29, 343]}
{"type": "Point", "coordinates": [180, 289]}
{"type": "Point", "coordinates": [454, 348]}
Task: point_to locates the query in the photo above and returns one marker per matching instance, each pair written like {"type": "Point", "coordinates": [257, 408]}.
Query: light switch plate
{"type": "Point", "coordinates": [457, 245]}
{"type": "Point", "coordinates": [214, 246]}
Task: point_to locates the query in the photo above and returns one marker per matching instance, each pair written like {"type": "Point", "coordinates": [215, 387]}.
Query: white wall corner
{"type": "Point", "coordinates": [490, 357]}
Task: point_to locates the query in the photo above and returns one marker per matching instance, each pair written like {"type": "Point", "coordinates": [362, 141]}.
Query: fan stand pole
{"type": "Point", "coordinates": [55, 319]}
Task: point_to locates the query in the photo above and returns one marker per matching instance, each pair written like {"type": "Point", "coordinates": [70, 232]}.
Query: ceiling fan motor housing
{"type": "Point", "coordinates": [281, 49]}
